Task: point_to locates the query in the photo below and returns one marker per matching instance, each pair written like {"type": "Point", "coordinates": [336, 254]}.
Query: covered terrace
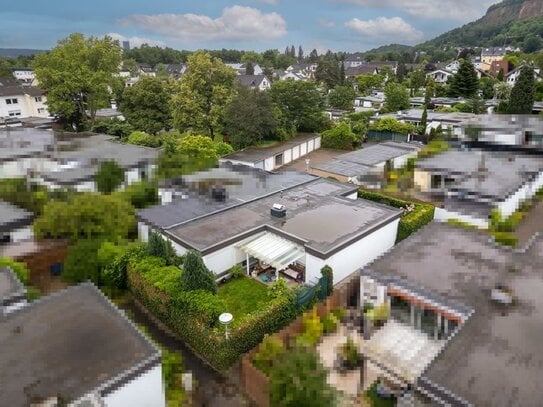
{"type": "Point", "coordinates": [269, 256]}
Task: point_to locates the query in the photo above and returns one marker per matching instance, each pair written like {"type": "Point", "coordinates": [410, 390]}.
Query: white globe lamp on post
{"type": "Point", "coordinates": [307, 161]}
{"type": "Point", "coordinates": [225, 318]}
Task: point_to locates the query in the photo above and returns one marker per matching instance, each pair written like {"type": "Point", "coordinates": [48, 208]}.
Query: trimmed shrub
{"type": "Point", "coordinates": [196, 276]}
{"type": "Point", "coordinates": [340, 137]}
{"type": "Point", "coordinates": [410, 221]}
{"type": "Point", "coordinates": [82, 262]}
{"type": "Point", "coordinates": [223, 148]}
{"type": "Point", "coordinates": [140, 138]}
{"type": "Point", "coordinates": [313, 329]}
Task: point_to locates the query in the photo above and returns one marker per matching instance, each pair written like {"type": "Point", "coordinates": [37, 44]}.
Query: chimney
{"type": "Point", "coordinates": [218, 193]}
{"type": "Point", "coordinates": [165, 195]}
{"type": "Point", "coordinates": [278, 211]}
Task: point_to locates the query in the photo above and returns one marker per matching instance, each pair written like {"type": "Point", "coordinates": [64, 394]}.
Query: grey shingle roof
{"type": "Point", "coordinates": [12, 217]}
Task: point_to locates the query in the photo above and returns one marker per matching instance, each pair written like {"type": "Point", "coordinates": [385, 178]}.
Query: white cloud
{"type": "Point", "coordinates": [460, 10]}
{"type": "Point", "coordinates": [393, 29]}
{"type": "Point", "coordinates": [270, 2]}
{"type": "Point", "coordinates": [236, 23]}
{"type": "Point", "coordinates": [136, 41]}
{"type": "Point", "coordinates": [323, 22]}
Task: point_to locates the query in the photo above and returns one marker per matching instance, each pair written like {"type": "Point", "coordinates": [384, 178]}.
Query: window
{"type": "Point", "coordinates": [37, 99]}
{"type": "Point", "coordinates": [41, 110]}
{"type": "Point", "coordinates": [13, 113]}
{"type": "Point", "coordinates": [14, 101]}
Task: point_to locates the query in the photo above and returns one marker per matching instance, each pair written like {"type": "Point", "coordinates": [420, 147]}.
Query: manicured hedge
{"type": "Point", "coordinates": [410, 222]}
{"type": "Point", "coordinates": [193, 315]}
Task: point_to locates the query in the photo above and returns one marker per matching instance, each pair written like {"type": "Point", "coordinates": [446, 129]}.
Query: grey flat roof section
{"type": "Point", "coordinates": [24, 142]}
{"type": "Point", "coordinates": [496, 358]}
{"type": "Point", "coordinates": [256, 154]}
{"type": "Point", "coordinates": [12, 217]}
{"type": "Point", "coordinates": [10, 286]}
{"type": "Point", "coordinates": [317, 215]}
{"type": "Point", "coordinates": [242, 184]}
{"type": "Point", "coordinates": [66, 345]}
{"type": "Point", "coordinates": [378, 153]}
{"type": "Point", "coordinates": [344, 168]}
{"type": "Point", "coordinates": [505, 174]}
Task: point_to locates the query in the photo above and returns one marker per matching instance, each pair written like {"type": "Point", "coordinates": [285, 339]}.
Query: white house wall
{"type": "Point", "coordinates": [400, 161]}
{"type": "Point", "coordinates": [144, 391]}
{"type": "Point", "coordinates": [18, 235]}
{"type": "Point", "coordinates": [143, 232]}
{"type": "Point", "coordinates": [132, 175]}
{"type": "Point", "coordinates": [223, 259]}
{"type": "Point", "coordinates": [85, 186]}
{"type": "Point", "coordinates": [269, 163]}
{"type": "Point", "coordinates": [295, 153]}
{"type": "Point", "coordinates": [443, 215]}
{"type": "Point", "coordinates": [303, 149]}
{"type": "Point", "coordinates": [287, 156]}
{"type": "Point", "coordinates": [310, 146]}
{"type": "Point", "coordinates": [511, 204]}
{"type": "Point", "coordinates": [355, 256]}
{"type": "Point", "coordinates": [318, 143]}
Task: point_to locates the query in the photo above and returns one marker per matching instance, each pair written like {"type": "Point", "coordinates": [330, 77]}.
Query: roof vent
{"type": "Point", "coordinates": [278, 210]}
{"type": "Point", "coordinates": [501, 295]}
{"type": "Point", "coordinates": [218, 193]}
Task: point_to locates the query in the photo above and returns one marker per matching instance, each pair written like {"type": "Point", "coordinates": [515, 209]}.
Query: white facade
{"type": "Point", "coordinates": [512, 204]}
{"type": "Point", "coordinates": [354, 256]}
{"type": "Point", "coordinates": [18, 235]}
{"type": "Point", "coordinates": [146, 390]}
{"type": "Point", "coordinates": [440, 76]}
{"type": "Point", "coordinates": [24, 75]}
{"type": "Point", "coordinates": [401, 161]}
{"type": "Point", "coordinates": [23, 105]}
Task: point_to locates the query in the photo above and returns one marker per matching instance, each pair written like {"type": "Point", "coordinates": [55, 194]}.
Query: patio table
{"type": "Point", "coordinates": [291, 273]}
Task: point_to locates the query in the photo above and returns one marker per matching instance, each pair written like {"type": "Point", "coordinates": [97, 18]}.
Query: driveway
{"type": "Point", "coordinates": [532, 223]}
{"type": "Point", "coordinates": [319, 156]}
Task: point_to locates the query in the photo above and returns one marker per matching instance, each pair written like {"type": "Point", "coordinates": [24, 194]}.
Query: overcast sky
{"type": "Point", "coordinates": [339, 25]}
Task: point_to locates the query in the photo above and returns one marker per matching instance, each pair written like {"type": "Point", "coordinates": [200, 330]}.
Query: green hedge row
{"type": "Point", "coordinates": [193, 316]}
{"type": "Point", "coordinates": [409, 222]}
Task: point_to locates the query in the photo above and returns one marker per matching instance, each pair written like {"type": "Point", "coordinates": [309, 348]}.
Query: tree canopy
{"type": "Point", "coordinates": [77, 75]}
{"type": "Point", "coordinates": [342, 97]}
{"type": "Point", "coordinates": [146, 105]}
{"type": "Point", "coordinates": [250, 118]}
{"type": "Point", "coordinates": [109, 177]}
{"type": "Point", "coordinates": [195, 275]}
{"type": "Point", "coordinates": [87, 216]}
{"type": "Point", "coordinates": [340, 137]}
{"type": "Point", "coordinates": [202, 95]}
{"type": "Point", "coordinates": [396, 97]}
{"type": "Point", "coordinates": [300, 103]}
{"type": "Point", "coordinates": [465, 82]}
{"type": "Point", "coordinates": [522, 96]}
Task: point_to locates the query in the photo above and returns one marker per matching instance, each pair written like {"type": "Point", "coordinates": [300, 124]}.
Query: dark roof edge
{"type": "Point", "coordinates": [440, 394]}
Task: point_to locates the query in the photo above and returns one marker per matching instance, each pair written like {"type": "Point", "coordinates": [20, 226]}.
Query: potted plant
{"type": "Point", "coordinates": [348, 356]}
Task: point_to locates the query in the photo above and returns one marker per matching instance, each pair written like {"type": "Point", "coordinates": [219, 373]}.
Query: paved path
{"type": "Point", "coordinates": [532, 223]}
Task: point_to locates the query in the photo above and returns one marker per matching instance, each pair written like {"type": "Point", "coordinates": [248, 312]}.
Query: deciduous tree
{"type": "Point", "coordinates": [396, 97]}
{"type": "Point", "coordinates": [342, 97]}
{"type": "Point", "coordinates": [202, 94]}
{"type": "Point", "coordinates": [146, 105]}
{"type": "Point", "coordinates": [77, 75]}
{"type": "Point", "coordinates": [249, 118]}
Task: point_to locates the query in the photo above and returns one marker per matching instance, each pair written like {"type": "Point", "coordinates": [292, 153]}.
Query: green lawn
{"type": "Point", "coordinates": [243, 296]}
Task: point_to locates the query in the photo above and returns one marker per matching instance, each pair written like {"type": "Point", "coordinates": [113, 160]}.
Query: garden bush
{"type": "Point", "coordinates": [409, 222]}
{"type": "Point", "coordinates": [339, 313]}
{"type": "Point", "coordinates": [270, 349]}
{"type": "Point", "coordinates": [237, 271]}
{"type": "Point", "coordinates": [141, 138]}
{"type": "Point", "coordinates": [349, 353]}
{"type": "Point", "coordinates": [340, 137]}
{"type": "Point", "coordinates": [312, 329]}
{"type": "Point", "coordinates": [82, 262]}
{"type": "Point", "coordinates": [20, 269]}
{"type": "Point", "coordinates": [193, 315]}
{"type": "Point", "coordinates": [140, 194]}
{"type": "Point", "coordinates": [505, 238]}
{"type": "Point", "coordinates": [279, 288]}
{"type": "Point", "coordinates": [329, 323]}
{"type": "Point", "coordinates": [196, 276]}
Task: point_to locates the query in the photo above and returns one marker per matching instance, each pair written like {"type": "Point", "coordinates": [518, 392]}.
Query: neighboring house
{"type": "Point", "coordinates": [462, 316]}
{"type": "Point", "coordinates": [293, 75]}
{"type": "Point", "coordinates": [361, 70]}
{"type": "Point", "coordinates": [25, 76]}
{"type": "Point", "coordinates": [260, 82]}
{"type": "Point", "coordinates": [368, 165]}
{"type": "Point", "coordinates": [146, 69]}
{"type": "Point", "coordinates": [440, 76]}
{"type": "Point", "coordinates": [453, 66]}
{"type": "Point", "coordinates": [478, 63]}
{"type": "Point", "coordinates": [336, 114]}
{"type": "Point", "coordinates": [76, 348]}
{"type": "Point", "coordinates": [497, 66]}
{"type": "Point", "coordinates": [129, 82]}
{"type": "Point", "coordinates": [241, 69]}
{"type": "Point", "coordinates": [491, 54]}
{"type": "Point", "coordinates": [354, 60]}
{"type": "Point", "coordinates": [271, 158]}
{"type": "Point", "coordinates": [474, 183]}
{"type": "Point", "coordinates": [293, 222]}
{"type": "Point", "coordinates": [12, 292]}
{"type": "Point", "coordinates": [176, 70]}
{"type": "Point", "coordinates": [363, 103]}
{"type": "Point", "coordinates": [304, 70]}
{"type": "Point", "coordinates": [511, 77]}
{"type": "Point", "coordinates": [15, 223]}
{"type": "Point", "coordinates": [18, 101]}
{"type": "Point", "coordinates": [68, 160]}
